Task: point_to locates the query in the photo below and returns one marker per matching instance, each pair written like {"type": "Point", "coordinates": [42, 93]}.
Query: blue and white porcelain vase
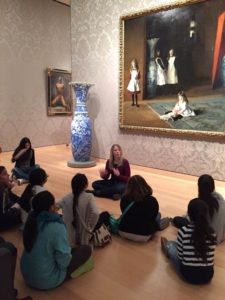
{"type": "Point", "coordinates": [81, 128]}
{"type": "Point", "coordinates": [151, 74]}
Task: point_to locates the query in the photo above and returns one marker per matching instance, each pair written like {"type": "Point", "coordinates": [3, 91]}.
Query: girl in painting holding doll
{"type": "Point", "coordinates": [133, 86]}
{"type": "Point", "coordinates": [181, 109]}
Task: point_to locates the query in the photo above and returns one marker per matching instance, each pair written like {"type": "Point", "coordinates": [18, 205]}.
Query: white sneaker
{"type": "Point", "coordinates": [22, 181]}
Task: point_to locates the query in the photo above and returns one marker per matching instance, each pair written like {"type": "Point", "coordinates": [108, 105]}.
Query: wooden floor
{"type": "Point", "coordinates": [124, 270]}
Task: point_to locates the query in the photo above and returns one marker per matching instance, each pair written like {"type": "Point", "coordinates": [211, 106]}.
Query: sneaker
{"type": "Point", "coordinates": [164, 248]}
{"type": "Point", "coordinates": [164, 223]}
{"type": "Point", "coordinates": [116, 197]}
{"type": "Point", "coordinates": [21, 181]}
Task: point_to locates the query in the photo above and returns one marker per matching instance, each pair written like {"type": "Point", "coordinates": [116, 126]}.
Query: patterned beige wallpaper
{"type": "Point", "coordinates": [95, 58]}
{"type": "Point", "coordinates": [34, 34]}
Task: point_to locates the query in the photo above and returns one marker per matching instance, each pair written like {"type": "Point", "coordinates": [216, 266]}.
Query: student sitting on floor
{"type": "Point", "coordinates": [216, 207]}
{"type": "Point", "coordinates": [142, 219]}
{"type": "Point", "coordinates": [193, 253]}
{"type": "Point", "coordinates": [24, 159]}
{"type": "Point", "coordinates": [10, 215]}
{"type": "Point", "coordinates": [37, 179]}
{"type": "Point", "coordinates": [48, 259]}
{"type": "Point", "coordinates": [80, 212]}
{"type": "Point", "coordinates": [8, 255]}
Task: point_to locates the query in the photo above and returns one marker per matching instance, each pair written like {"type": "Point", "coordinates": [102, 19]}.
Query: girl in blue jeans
{"type": "Point", "coordinates": [24, 159]}
{"type": "Point", "coordinates": [193, 253]}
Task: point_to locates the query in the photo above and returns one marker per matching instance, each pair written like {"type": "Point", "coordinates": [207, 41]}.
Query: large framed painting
{"type": "Point", "coordinates": [59, 92]}
{"type": "Point", "coordinates": [172, 69]}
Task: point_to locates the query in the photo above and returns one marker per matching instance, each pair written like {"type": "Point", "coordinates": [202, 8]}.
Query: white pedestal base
{"type": "Point", "coordinates": [81, 164]}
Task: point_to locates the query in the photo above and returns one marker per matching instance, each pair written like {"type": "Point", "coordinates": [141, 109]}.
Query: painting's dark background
{"type": "Point", "coordinates": [194, 56]}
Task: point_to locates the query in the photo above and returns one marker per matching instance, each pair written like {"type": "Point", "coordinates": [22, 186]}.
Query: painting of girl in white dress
{"type": "Point", "coordinates": [133, 86]}
{"type": "Point", "coordinates": [173, 53]}
{"type": "Point", "coordinates": [172, 78]}
{"type": "Point", "coordinates": [181, 109]}
{"type": "Point", "coordinates": [161, 77]}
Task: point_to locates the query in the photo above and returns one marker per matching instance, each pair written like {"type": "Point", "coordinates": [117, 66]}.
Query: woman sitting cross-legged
{"type": "Point", "coordinates": [24, 159]}
{"type": "Point", "coordinates": [142, 219]}
{"type": "Point", "coordinates": [48, 259]}
{"type": "Point", "coordinates": [115, 175]}
{"type": "Point", "coordinates": [216, 207]}
{"type": "Point", "coordinates": [80, 212]}
{"type": "Point", "coordinates": [193, 253]}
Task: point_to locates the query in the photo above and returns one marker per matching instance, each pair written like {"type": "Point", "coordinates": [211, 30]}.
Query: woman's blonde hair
{"type": "Point", "coordinates": [137, 188]}
{"type": "Point", "coordinates": [111, 157]}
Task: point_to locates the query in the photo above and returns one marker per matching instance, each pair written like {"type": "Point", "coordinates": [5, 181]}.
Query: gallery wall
{"type": "Point", "coordinates": [35, 34]}
{"type": "Point", "coordinates": [95, 58]}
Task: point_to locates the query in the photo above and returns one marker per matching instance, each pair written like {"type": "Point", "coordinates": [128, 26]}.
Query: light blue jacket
{"type": "Point", "coordinates": [46, 265]}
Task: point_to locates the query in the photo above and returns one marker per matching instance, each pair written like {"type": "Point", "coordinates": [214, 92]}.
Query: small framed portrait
{"type": "Point", "coordinates": [59, 92]}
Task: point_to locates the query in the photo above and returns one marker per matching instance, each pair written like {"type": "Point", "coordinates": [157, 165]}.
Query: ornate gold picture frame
{"type": "Point", "coordinates": [59, 92]}
{"type": "Point", "coordinates": [171, 50]}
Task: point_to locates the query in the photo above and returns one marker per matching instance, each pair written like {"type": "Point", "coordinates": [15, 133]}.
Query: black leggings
{"type": "Point", "coordinates": [103, 219]}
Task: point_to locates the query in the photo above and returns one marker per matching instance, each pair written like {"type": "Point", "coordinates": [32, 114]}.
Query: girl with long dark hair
{"type": "Point", "coordinates": [48, 259]}
{"type": "Point", "coordinates": [8, 257]}
{"type": "Point", "coordinates": [37, 179]}
{"type": "Point", "coordinates": [24, 159]}
{"type": "Point", "coordinates": [10, 214]}
{"type": "Point", "coordinates": [142, 219]}
{"type": "Point", "coordinates": [79, 206]}
{"type": "Point", "coordinates": [216, 207]}
{"type": "Point", "coordinates": [193, 252]}
{"type": "Point", "coordinates": [215, 203]}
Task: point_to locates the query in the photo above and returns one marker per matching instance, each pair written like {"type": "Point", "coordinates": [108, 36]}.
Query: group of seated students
{"type": "Point", "coordinates": [60, 247]}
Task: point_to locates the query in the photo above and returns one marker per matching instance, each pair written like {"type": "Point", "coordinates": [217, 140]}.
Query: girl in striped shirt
{"type": "Point", "coordinates": [193, 252]}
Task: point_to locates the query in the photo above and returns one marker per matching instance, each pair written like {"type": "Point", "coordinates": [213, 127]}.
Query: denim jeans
{"type": "Point", "coordinates": [173, 255]}
{"type": "Point", "coordinates": [108, 188]}
{"type": "Point", "coordinates": [24, 173]}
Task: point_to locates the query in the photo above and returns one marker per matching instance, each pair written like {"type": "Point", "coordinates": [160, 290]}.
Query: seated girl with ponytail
{"type": "Point", "coordinates": [80, 212]}
{"type": "Point", "coordinates": [48, 259]}
{"type": "Point", "coordinates": [216, 207]}
{"type": "Point", "coordinates": [193, 253]}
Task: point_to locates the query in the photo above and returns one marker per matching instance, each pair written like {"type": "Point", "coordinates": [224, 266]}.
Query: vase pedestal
{"type": "Point", "coordinates": [81, 164]}
{"type": "Point", "coordinates": [81, 129]}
